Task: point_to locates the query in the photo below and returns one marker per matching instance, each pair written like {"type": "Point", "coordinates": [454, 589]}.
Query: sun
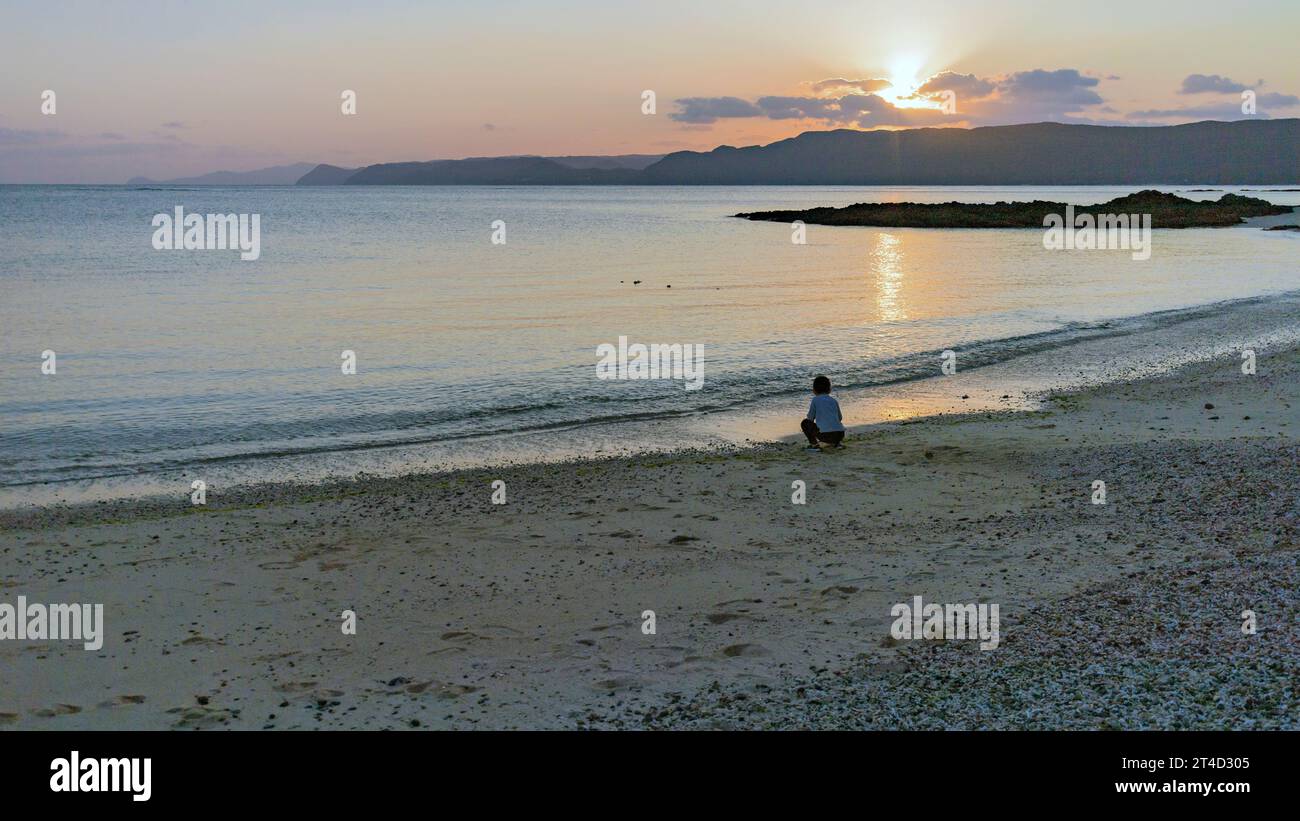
{"type": "Point", "coordinates": [906, 73]}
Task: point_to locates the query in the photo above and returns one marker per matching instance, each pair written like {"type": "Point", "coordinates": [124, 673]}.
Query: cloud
{"type": "Point", "coordinates": [1062, 87]}
{"type": "Point", "coordinates": [1063, 95]}
{"type": "Point", "coordinates": [866, 86]}
{"type": "Point", "coordinates": [52, 156]}
{"type": "Point", "coordinates": [29, 136]}
{"type": "Point", "coordinates": [860, 110]}
{"type": "Point", "coordinates": [965, 86]}
{"type": "Point", "coordinates": [1276, 100]}
{"type": "Point", "coordinates": [81, 149]}
{"type": "Point", "coordinates": [1229, 110]}
{"type": "Point", "coordinates": [49, 157]}
{"type": "Point", "coordinates": [1023, 96]}
{"type": "Point", "coordinates": [803, 108]}
{"type": "Point", "coordinates": [706, 110]}
{"type": "Point", "coordinates": [1214, 111]}
{"type": "Point", "coordinates": [1212, 84]}
{"type": "Point", "coordinates": [174, 124]}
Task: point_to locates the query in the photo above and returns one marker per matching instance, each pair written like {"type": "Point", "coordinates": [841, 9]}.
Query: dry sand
{"type": "Point", "coordinates": [529, 614]}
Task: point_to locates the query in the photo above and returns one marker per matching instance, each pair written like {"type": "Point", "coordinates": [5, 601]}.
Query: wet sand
{"type": "Point", "coordinates": [529, 614]}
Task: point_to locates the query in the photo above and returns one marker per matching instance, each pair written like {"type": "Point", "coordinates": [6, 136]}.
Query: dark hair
{"type": "Point", "coordinates": [821, 384]}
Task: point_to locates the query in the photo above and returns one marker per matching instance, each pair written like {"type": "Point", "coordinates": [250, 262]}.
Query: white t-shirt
{"type": "Point", "coordinates": [825, 412]}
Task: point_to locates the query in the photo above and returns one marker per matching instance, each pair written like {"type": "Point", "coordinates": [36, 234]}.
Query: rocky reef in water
{"type": "Point", "coordinates": [1166, 210]}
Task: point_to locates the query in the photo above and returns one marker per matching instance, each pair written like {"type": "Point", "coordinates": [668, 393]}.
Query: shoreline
{"type": "Point", "coordinates": [1021, 381]}
{"type": "Point", "coordinates": [529, 614]}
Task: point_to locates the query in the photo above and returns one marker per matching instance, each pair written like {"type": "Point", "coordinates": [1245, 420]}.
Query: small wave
{"type": "Point", "coordinates": [728, 392]}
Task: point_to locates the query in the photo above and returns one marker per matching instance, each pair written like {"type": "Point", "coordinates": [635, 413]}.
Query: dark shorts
{"type": "Point", "coordinates": [815, 434]}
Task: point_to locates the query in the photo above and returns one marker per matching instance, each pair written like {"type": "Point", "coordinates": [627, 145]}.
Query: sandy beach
{"type": "Point", "coordinates": [529, 614]}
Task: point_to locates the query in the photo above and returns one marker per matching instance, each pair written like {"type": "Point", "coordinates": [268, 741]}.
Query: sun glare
{"type": "Point", "coordinates": [905, 72]}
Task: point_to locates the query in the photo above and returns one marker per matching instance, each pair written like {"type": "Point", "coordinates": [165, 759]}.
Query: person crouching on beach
{"type": "Point", "coordinates": [824, 422]}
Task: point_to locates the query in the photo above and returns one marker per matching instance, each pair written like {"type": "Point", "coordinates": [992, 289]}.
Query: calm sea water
{"type": "Point", "coordinates": [176, 364]}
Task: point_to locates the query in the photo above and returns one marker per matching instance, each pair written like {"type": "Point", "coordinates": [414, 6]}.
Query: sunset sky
{"type": "Point", "coordinates": [163, 89]}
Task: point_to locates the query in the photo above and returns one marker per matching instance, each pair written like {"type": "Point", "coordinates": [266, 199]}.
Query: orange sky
{"type": "Point", "coordinates": [169, 88]}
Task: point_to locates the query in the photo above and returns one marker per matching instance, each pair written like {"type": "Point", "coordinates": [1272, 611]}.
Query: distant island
{"type": "Point", "coordinates": [1166, 210]}
{"type": "Point", "coordinates": [565, 170]}
{"type": "Point", "coordinates": [1247, 152]}
{"type": "Point", "coordinates": [490, 171]}
{"type": "Point", "coordinates": [619, 169]}
{"type": "Point", "coordinates": [326, 175]}
{"type": "Point", "coordinates": [274, 175]}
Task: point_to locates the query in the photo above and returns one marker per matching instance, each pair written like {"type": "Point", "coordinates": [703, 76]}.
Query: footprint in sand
{"type": "Point", "coordinates": [746, 650]}
{"type": "Point", "coordinates": [616, 683]}
{"type": "Point", "coordinates": [202, 640]}
{"type": "Point", "coordinates": [685, 661]}
{"type": "Point", "coordinates": [57, 710]}
{"type": "Point", "coordinates": [723, 618]}
{"type": "Point", "coordinates": [600, 628]}
{"type": "Point", "coordinates": [842, 591]}
{"type": "Point", "coordinates": [500, 631]}
{"type": "Point", "coordinates": [462, 636]}
{"type": "Point", "coordinates": [439, 689]}
{"type": "Point", "coordinates": [454, 690]}
{"type": "Point", "coordinates": [202, 716]}
{"type": "Point", "coordinates": [275, 656]}
{"type": "Point", "coordinates": [325, 694]}
{"type": "Point", "coordinates": [442, 650]}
